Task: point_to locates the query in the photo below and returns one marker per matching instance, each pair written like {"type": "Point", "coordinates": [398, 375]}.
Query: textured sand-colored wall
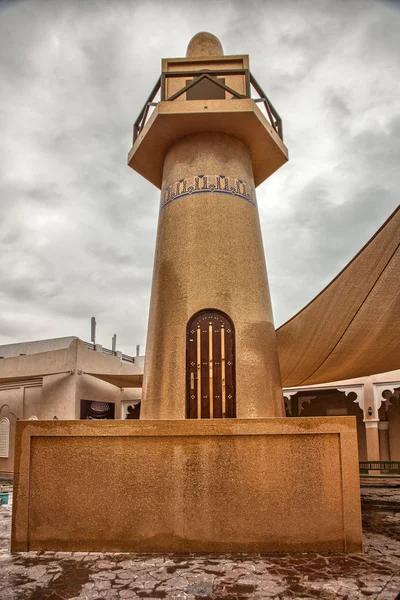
{"type": "Point", "coordinates": [188, 486]}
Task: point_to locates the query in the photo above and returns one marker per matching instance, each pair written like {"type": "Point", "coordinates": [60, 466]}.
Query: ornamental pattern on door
{"type": "Point", "coordinates": [210, 371]}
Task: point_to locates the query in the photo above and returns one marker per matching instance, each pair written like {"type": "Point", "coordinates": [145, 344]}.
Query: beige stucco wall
{"type": "Point", "coordinates": [58, 394]}
{"type": "Point", "coordinates": [32, 402]}
{"type": "Point", "coordinates": [7, 464]}
{"type": "Point", "coordinates": [13, 398]}
{"type": "Point", "coordinates": [58, 397]}
{"type": "Point", "coordinates": [16, 402]}
{"type": "Point", "coordinates": [209, 255]}
{"type": "Point", "coordinates": [42, 363]}
{"type": "Point", "coordinates": [35, 347]}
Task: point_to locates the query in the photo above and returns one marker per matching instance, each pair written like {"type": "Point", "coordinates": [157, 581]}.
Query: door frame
{"type": "Point", "coordinates": [187, 361]}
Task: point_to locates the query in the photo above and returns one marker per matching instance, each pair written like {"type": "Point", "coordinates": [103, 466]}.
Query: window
{"type": "Point", "coordinates": [205, 90]}
{"type": "Point", "coordinates": [4, 437]}
{"type": "Point", "coordinates": [98, 411]}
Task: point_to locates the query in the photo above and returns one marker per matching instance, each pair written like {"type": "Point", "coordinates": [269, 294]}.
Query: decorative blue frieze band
{"type": "Point", "coordinates": [220, 184]}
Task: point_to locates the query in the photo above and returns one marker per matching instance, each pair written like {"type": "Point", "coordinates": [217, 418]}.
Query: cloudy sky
{"type": "Point", "coordinates": [78, 227]}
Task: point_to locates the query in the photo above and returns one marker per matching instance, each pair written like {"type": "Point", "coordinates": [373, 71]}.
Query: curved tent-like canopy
{"type": "Point", "coordinates": [122, 380]}
{"type": "Point", "coordinates": [352, 328]}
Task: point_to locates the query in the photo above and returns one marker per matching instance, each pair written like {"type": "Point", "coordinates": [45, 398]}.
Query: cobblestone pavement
{"type": "Point", "coordinates": [66, 575]}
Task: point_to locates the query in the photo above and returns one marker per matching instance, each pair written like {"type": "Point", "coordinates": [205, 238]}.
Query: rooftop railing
{"type": "Point", "coordinates": [125, 357]}
{"type": "Point", "coordinates": [250, 85]}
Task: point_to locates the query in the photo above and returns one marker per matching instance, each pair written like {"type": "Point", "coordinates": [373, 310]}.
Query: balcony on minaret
{"type": "Point", "coordinates": [207, 91]}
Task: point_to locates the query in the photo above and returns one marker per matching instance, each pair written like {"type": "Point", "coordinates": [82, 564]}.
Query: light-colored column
{"type": "Point", "coordinates": [371, 430]}
{"type": "Point", "coordinates": [371, 420]}
{"type": "Point", "coordinates": [384, 446]}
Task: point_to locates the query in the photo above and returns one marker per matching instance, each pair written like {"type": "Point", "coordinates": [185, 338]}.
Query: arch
{"type": "Point", "coordinates": [33, 418]}
{"type": "Point", "coordinates": [4, 437]}
{"type": "Point", "coordinates": [210, 366]}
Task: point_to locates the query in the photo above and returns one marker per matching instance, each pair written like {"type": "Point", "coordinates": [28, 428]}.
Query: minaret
{"type": "Point", "coordinates": [211, 348]}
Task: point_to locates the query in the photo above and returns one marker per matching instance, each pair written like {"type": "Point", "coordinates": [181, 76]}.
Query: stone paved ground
{"type": "Point", "coordinates": [58, 575]}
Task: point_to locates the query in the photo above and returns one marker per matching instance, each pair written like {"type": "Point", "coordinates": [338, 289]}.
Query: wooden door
{"type": "Point", "coordinates": [210, 371]}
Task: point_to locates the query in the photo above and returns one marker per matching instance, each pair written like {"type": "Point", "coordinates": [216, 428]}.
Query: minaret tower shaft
{"type": "Point", "coordinates": [211, 347]}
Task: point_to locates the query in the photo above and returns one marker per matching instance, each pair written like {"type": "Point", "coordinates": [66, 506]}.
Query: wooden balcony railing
{"type": "Point", "coordinates": [389, 466]}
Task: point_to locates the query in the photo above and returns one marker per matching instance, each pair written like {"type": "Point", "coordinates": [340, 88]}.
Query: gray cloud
{"type": "Point", "coordinates": [78, 227]}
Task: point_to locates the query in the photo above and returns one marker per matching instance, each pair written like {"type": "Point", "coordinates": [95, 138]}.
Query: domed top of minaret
{"type": "Point", "coordinates": [204, 45]}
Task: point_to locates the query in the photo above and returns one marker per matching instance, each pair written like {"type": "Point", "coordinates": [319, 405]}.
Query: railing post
{"type": "Point", "coordinates": [135, 132]}
{"type": "Point", "coordinates": [247, 83]}
{"type": "Point", "coordinates": [271, 119]}
{"type": "Point", "coordinates": [280, 128]}
{"type": "Point", "coordinates": [163, 82]}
